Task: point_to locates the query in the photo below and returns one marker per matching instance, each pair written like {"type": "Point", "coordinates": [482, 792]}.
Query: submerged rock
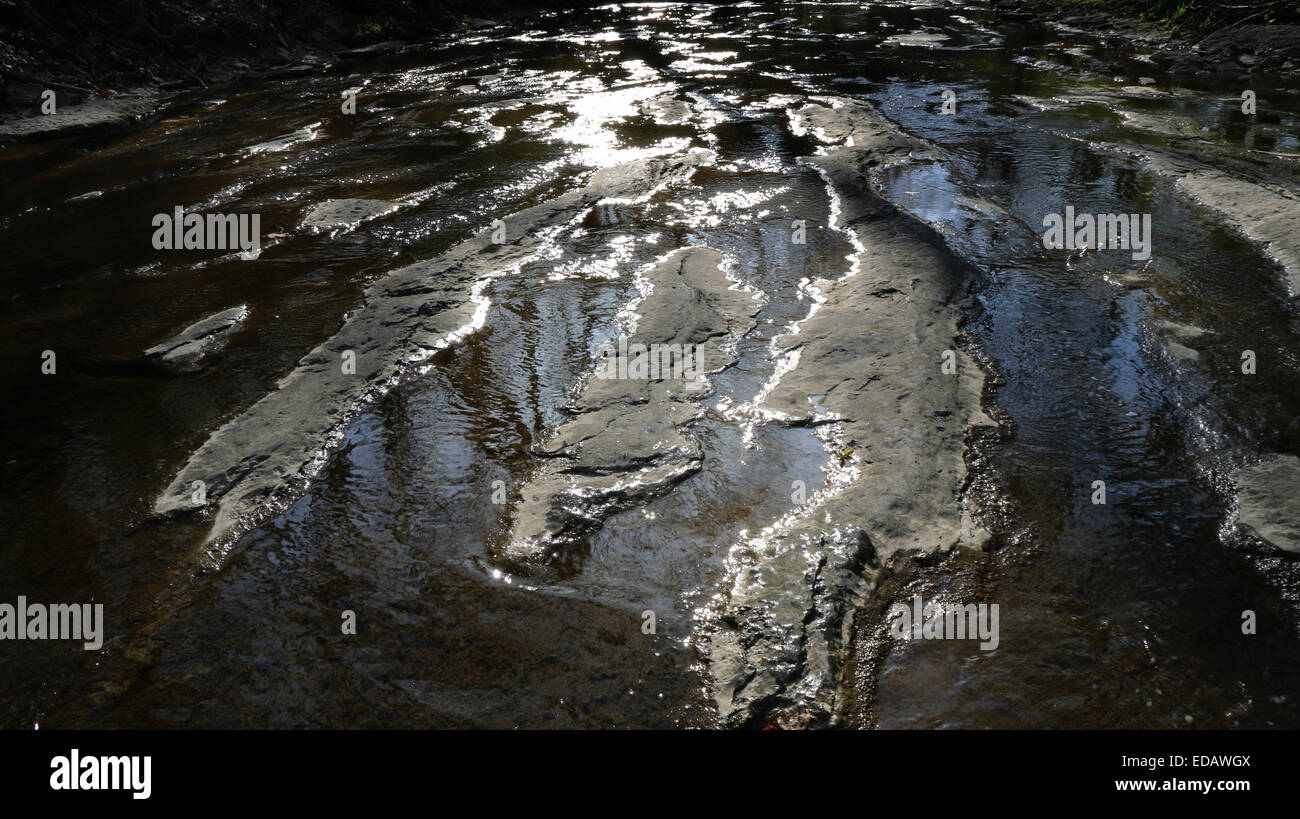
{"type": "Point", "coordinates": [374, 50]}
{"type": "Point", "coordinates": [1184, 332]}
{"type": "Point", "coordinates": [185, 350]}
{"type": "Point", "coordinates": [1183, 340]}
{"type": "Point", "coordinates": [872, 356]}
{"type": "Point", "coordinates": [626, 441]}
{"type": "Point", "coordinates": [307, 133]}
{"type": "Point", "coordinates": [346, 212]}
{"type": "Point", "coordinates": [1131, 281]}
{"type": "Point", "coordinates": [1268, 496]}
{"type": "Point", "coordinates": [1164, 123]}
{"type": "Point", "coordinates": [927, 39]}
{"type": "Point", "coordinates": [666, 110]}
{"type": "Point", "coordinates": [265, 454]}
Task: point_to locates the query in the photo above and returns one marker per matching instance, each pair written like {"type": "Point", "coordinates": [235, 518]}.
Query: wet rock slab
{"type": "Point", "coordinates": [1268, 495]}
{"type": "Point", "coordinates": [185, 351]}
{"type": "Point", "coordinates": [627, 439]}
{"type": "Point", "coordinates": [73, 119]}
{"type": "Point", "coordinates": [869, 359]}
{"type": "Point", "coordinates": [667, 110]}
{"type": "Point", "coordinates": [264, 456]}
{"type": "Point", "coordinates": [346, 213]}
{"type": "Point", "coordinates": [1184, 340]}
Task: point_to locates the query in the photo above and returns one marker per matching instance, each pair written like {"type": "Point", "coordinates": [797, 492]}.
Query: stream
{"type": "Point", "coordinates": [606, 141]}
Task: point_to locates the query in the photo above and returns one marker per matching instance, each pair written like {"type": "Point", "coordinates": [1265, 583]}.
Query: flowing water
{"type": "Point", "coordinates": [1126, 614]}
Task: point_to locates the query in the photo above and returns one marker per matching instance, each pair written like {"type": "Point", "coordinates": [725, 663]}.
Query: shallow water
{"type": "Point", "coordinates": [1126, 614]}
